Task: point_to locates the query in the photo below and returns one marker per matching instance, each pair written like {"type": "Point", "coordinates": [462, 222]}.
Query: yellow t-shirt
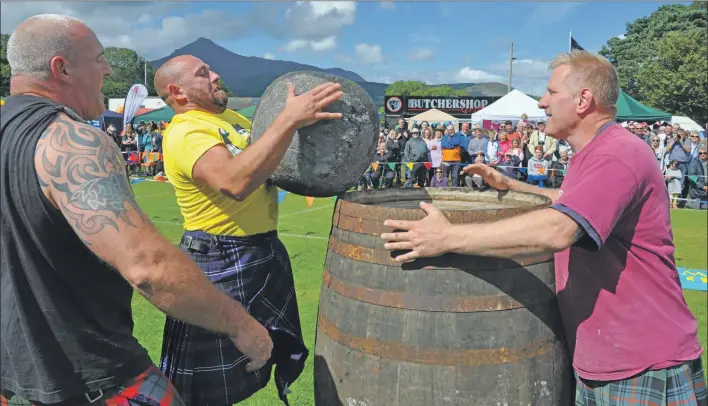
{"type": "Point", "coordinates": [188, 137]}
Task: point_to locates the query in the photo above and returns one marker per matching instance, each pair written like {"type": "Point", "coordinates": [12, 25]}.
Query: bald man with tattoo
{"type": "Point", "coordinates": [72, 240]}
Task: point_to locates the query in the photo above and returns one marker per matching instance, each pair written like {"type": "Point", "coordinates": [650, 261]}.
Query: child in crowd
{"type": "Point", "coordinates": [674, 182]}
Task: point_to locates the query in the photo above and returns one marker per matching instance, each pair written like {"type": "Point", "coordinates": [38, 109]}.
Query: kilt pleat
{"type": "Point", "coordinates": [205, 366]}
{"type": "Point", "coordinates": [681, 385]}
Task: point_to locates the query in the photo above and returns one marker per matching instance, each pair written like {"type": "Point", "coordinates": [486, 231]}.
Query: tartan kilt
{"type": "Point", "coordinates": [205, 366]}
{"type": "Point", "coordinates": [683, 385]}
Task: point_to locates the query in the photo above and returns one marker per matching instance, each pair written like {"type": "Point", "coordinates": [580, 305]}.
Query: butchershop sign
{"type": "Point", "coordinates": [407, 105]}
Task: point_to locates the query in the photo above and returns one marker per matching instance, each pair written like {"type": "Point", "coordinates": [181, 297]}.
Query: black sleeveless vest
{"type": "Point", "coordinates": [67, 326]}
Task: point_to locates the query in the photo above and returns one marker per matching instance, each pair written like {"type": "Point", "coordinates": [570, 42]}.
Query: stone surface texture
{"type": "Point", "coordinates": [328, 157]}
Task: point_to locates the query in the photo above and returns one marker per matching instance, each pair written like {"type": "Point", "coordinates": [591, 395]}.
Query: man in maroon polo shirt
{"type": "Point", "coordinates": [632, 337]}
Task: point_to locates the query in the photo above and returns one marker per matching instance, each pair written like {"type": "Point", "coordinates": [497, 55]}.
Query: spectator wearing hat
{"type": "Point", "coordinates": [416, 151]}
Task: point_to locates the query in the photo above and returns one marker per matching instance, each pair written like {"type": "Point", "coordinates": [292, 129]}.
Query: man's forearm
{"type": "Point", "coordinates": [255, 164]}
{"type": "Point", "coordinates": [540, 232]}
{"type": "Point", "coordinates": [174, 284]}
{"type": "Point", "coordinates": [524, 187]}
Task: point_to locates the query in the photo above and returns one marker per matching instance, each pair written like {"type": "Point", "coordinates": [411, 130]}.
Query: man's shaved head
{"type": "Point", "coordinates": [38, 39]}
{"type": "Point", "coordinates": [186, 83]}
{"type": "Point", "coordinates": [172, 71]}
{"type": "Point", "coordinates": [60, 58]}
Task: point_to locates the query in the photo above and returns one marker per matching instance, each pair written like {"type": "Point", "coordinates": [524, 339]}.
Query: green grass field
{"type": "Point", "coordinates": [305, 230]}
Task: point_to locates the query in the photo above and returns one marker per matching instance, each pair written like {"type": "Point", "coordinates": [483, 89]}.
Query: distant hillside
{"type": "Point", "coordinates": [248, 76]}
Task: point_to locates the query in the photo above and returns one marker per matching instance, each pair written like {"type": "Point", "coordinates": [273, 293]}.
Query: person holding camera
{"type": "Point", "coordinates": [539, 137]}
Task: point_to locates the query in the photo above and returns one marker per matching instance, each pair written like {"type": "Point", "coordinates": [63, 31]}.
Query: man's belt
{"type": "Point", "coordinates": [190, 244]}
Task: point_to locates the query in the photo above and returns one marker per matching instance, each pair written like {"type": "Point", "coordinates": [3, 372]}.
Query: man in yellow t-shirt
{"type": "Point", "coordinates": [230, 221]}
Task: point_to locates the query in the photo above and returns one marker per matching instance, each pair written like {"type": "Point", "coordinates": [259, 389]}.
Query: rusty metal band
{"type": "Point", "coordinates": [403, 300]}
{"type": "Point", "coordinates": [435, 356]}
{"type": "Point", "coordinates": [383, 256]}
{"type": "Point", "coordinates": [360, 213]}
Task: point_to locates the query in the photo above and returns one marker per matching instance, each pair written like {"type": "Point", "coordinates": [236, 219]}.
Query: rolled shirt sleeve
{"type": "Point", "coordinates": [597, 198]}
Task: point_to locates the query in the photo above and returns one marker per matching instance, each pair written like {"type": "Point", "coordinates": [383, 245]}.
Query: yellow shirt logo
{"type": "Point", "coordinates": [189, 136]}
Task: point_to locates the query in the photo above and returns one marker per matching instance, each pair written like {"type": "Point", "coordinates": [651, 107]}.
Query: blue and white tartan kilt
{"type": "Point", "coordinates": [681, 385]}
{"type": "Point", "coordinates": [205, 366]}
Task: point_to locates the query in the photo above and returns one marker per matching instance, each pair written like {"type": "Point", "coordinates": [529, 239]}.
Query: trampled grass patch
{"type": "Point", "coordinates": [304, 231]}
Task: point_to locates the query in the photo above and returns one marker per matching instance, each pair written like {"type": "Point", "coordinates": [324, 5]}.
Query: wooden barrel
{"type": "Point", "coordinates": [451, 330]}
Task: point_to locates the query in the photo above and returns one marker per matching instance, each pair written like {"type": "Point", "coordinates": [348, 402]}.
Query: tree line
{"type": "Point", "coordinates": [661, 61]}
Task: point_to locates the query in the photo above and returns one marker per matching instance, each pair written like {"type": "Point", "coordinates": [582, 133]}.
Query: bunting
{"type": "Point", "coordinates": [281, 196]}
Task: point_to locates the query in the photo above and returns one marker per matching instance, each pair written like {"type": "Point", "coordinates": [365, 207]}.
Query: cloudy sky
{"type": "Point", "coordinates": [437, 42]}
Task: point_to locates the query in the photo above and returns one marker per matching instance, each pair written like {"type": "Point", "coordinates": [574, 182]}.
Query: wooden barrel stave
{"type": "Point", "coordinates": [453, 330]}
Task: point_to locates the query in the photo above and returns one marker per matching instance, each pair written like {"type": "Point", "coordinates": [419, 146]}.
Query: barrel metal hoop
{"type": "Point", "coordinates": [435, 356]}
{"type": "Point", "coordinates": [404, 300]}
{"type": "Point", "coordinates": [384, 257]}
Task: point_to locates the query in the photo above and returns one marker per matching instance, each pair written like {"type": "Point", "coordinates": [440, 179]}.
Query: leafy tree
{"type": "Point", "coordinates": [128, 69]}
{"type": "Point", "coordinates": [676, 80]}
{"type": "Point", "coordinates": [4, 66]}
{"type": "Point", "coordinates": [226, 89]}
{"type": "Point", "coordinates": [418, 88]}
{"type": "Point", "coordinates": [660, 59]}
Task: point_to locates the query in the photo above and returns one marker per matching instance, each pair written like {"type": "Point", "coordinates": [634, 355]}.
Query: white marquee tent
{"type": "Point", "coordinates": [686, 123]}
{"type": "Point", "coordinates": [510, 107]}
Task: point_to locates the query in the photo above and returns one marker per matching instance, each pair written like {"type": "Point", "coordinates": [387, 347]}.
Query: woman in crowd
{"type": "Point", "coordinates": [128, 140]}
{"type": "Point", "coordinates": [504, 143]}
{"type": "Point", "coordinates": [659, 151]}
{"type": "Point", "coordinates": [439, 179]}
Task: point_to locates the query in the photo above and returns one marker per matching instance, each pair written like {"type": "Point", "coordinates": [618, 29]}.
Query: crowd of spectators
{"type": "Point", "coordinates": [418, 155]}
{"type": "Point", "coordinates": [141, 145]}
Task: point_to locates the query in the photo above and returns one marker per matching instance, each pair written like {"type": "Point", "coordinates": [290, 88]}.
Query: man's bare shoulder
{"type": "Point", "coordinates": [82, 172]}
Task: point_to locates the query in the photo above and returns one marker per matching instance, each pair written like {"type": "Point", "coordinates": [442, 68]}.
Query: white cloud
{"type": "Point", "coordinates": [269, 55]}
{"type": "Point", "coordinates": [317, 20]}
{"type": "Point", "coordinates": [294, 45]}
{"type": "Point", "coordinates": [421, 55]}
{"type": "Point", "coordinates": [468, 74]}
{"type": "Point", "coordinates": [326, 44]}
{"type": "Point", "coordinates": [621, 36]}
{"type": "Point", "coordinates": [131, 24]}
{"type": "Point", "coordinates": [369, 54]}
{"type": "Point", "coordinates": [388, 5]}
{"type": "Point", "coordinates": [529, 75]}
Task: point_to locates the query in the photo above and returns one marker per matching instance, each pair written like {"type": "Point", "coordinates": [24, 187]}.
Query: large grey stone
{"type": "Point", "coordinates": [328, 157]}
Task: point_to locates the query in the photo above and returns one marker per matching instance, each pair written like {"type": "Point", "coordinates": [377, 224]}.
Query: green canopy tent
{"type": "Point", "coordinates": [629, 108]}
{"type": "Point", "coordinates": [248, 112]}
{"type": "Point", "coordinates": [162, 114]}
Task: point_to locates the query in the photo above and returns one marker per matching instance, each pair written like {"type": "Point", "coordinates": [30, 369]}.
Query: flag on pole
{"type": "Point", "coordinates": [574, 44]}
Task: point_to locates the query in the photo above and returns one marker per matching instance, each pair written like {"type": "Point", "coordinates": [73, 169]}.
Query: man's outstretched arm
{"type": "Point", "coordinates": [82, 172]}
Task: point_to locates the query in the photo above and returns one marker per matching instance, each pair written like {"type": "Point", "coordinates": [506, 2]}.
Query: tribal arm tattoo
{"type": "Point", "coordinates": [83, 172]}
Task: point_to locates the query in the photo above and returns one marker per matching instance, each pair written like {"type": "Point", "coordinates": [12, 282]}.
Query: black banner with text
{"type": "Point", "coordinates": [459, 105]}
